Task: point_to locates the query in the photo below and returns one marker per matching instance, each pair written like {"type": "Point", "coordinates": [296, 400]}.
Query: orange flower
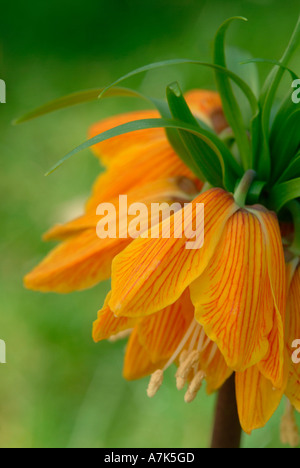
{"type": "Point", "coordinates": [211, 311]}
{"type": "Point", "coordinates": [237, 287]}
{"type": "Point", "coordinates": [142, 165]}
{"type": "Point", "coordinates": [293, 331]}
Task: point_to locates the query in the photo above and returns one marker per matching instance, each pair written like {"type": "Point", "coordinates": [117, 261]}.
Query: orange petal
{"type": "Point", "coordinates": [257, 400]}
{"type": "Point", "coordinates": [110, 149]}
{"type": "Point", "coordinates": [137, 362]}
{"type": "Point", "coordinates": [83, 259]}
{"type": "Point", "coordinates": [152, 273]}
{"type": "Point", "coordinates": [108, 325]}
{"type": "Point", "coordinates": [232, 298]}
{"type": "Point", "coordinates": [216, 369]}
{"type": "Point", "coordinates": [161, 333]}
{"type": "Point", "coordinates": [207, 106]}
{"type": "Point", "coordinates": [272, 364]}
{"type": "Point", "coordinates": [151, 162]}
{"type": "Point", "coordinates": [293, 334]}
{"type": "Point", "coordinates": [77, 264]}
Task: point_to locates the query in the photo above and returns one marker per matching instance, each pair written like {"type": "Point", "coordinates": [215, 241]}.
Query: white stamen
{"type": "Point", "coordinates": [194, 387]}
{"type": "Point", "coordinates": [120, 336]}
{"type": "Point", "coordinates": [288, 429]}
{"type": "Point", "coordinates": [155, 383]}
{"type": "Point", "coordinates": [181, 344]}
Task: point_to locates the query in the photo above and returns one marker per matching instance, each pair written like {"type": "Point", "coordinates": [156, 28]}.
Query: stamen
{"type": "Point", "coordinates": [185, 368]}
{"type": "Point", "coordinates": [194, 387]}
{"type": "Point", "coordinates": [288, 429]}
{"type": "Point", "coordinates": [181, 344]}
{"type": "Point", "coordinates": [212, 354]}
{"type": "Point", "coordinates": [180, 383]}
{"type": "Point", "coordinates": [120, 336]}
{"type": "Point", "coordinates": [155, 383]}
{"type": "Point", "coordinates": [194, 337]}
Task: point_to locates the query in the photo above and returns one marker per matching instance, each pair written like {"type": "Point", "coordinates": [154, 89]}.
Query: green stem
{"type": "Point", "coordinates": [241, 192]}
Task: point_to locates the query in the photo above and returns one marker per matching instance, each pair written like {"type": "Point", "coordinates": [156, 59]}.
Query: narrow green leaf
{"type": "Point", "coordinates": [292, 171]}
{"type": "Point", "coordinates": [219, 167]}
{"type": "Point", "coordinates": [231, 108]}
{"type": "Point", "coordinates": [72, 100]}
{"type": "Point", "coordinates": [286, 143]}
{"type": "Point", "coordinates": [135, 126]}
{"type": "Point", "coordinates": [235, 78]}
{"type": "Point", "coordinates": [271, 62]}
{"type": "Point", "coordinates": [267, 98]}
{"type": "Point", "coordinates": [283, 193]}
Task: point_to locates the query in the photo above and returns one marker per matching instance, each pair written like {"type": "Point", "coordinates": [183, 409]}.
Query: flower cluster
{"type": "Point", "coordinates": [232, 306]}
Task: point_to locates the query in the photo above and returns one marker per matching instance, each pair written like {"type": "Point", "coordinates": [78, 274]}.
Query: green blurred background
{"type": "Point", "coordinates": [59, 389]}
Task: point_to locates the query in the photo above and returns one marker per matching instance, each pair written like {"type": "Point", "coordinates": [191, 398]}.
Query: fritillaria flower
{"type": "Point", "coordinates": [230, 307]}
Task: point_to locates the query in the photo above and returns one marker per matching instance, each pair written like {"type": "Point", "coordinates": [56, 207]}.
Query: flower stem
{"type": "Point", "coordinates": [241, 192]}
{"type": "Point", "coordinates": [227, 429]}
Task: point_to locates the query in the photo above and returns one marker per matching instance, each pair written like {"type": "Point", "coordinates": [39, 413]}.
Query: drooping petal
{"type": "Point", "coordinates": [152, 162]}
{"type": "Point", "coordinates": [214, 365]}
{"type": "Point", "coordinates": [257, 399]}
{"type": "Point", "coordinates": [272, 364]}
{"type": "Point", "coordinates": [114, 148]}
{"type": "Point", "coordinates": [207, 106]}
{"type": "Point", "coordinates": [137, 362]}
{"type": "Point", "coordinates": [84, 259]}
{"type": "Point", "coordinates": [77, 264]}
{"type": "Point", "coordinates": [232, 297]}
{"type": "Point", "coordinates": [162, 190]}
{"type": "Point", "coordinates": [152, 273]}
{"type": "Point", "coordinates": [293, 339]}
{"type": "Point", "coordinates": [161, 333]}
{"type": "Point", "coordinates": [108, 325]}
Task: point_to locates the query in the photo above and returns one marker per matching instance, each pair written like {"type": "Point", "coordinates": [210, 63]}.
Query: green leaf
{"type": "Point", "coordinates": [271, 62]}
{"type": "Point", "coordinates": [267, 98]}
{"type": "Point", "coordinates": [72, 100]}
{"type": "Point", "coordinates": [286, 143]}
{"type": "Point", "coordinates": [135, 126]}
{"type": "Point", "coordinates": [292, 171]}
{"type": "Point", "coordinates": [283, 193]}
{"type": "Point", "coordinates": [235, 78]}
{"type": "Point", "coordinates": [218, 167]}
{"type": "Point", "coordinates": [231, 108]}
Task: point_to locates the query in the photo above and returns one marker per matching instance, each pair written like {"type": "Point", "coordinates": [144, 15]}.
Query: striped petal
{"type": "Point", "coordinates": [272, 364]}
{"type": "Point", "coordinates": [137, 363]}
{"type": "Point", "coordinates": [293, 337]}
{"type": "Point", "coordinates": [108, 325]}
{"type": "Point", "coordinates": [214, 365]}
{"type": "Point", "coordinates": [161, 333]}
{"type": "Point", "coordinates": [152, 273]}
{"type": "Point", "coordinates": [232, 299]}
{"type": "Point", "coordinates": [84, 259]}
{"type": "Point", "coordinates": [206, 105]}
{"type": "Point", "coordinates": [152, 162]}
{"type": "Point", "coordinates": [257, 399]}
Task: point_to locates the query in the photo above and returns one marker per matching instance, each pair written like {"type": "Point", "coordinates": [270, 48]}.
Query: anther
{"type": "Point", "coordinates": [194, 387]}
{"type": "Point", "coordinates": [288, 429]}
{"type": "Point", "coordinates": [155, 383]}
{"type": "Point", "coordinates": [185, 367]}
{"type": "Point", "coordinates": [120, 336]}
